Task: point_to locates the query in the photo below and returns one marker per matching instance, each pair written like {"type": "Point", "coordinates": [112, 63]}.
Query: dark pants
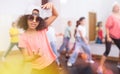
{"type": "Point", "coordinates": [65, 44]}
{"type": "Point", "coordinates": [51, 69]}
{"type": "Point", "coordinates": [10, 48]}
{"type": "Point", "coordinates": [108, 45]}
{"type": "Point", "coordinates": [98, 40]}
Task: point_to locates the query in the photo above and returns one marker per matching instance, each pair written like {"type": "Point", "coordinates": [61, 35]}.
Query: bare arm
{"type": "Point", "coordinates": [84, 39]}
{"type": "Point", "coordinates": [58, 34]}
{"type": "Point", "coordinates": [108, 36]}
{"type": "Point", "coordinates": [70, 33]}
{"type": "Point", "coordinates": [54, 13]}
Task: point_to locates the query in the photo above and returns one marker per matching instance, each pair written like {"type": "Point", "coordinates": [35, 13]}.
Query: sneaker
{"type": "Point", "coordinates": [99, 70]}
{"type": "Point", "coordinates": [69, 64]}
{"type": "Point", "coordinates": [118, 66]}
{"type": "Point", "coordinates": [90, 61]}
{"type": "Point", "coordinates": [59, 66]}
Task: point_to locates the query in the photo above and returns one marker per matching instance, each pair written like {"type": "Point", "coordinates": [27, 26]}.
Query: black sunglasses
{"type": "Point", "coordinates": [31, 18]}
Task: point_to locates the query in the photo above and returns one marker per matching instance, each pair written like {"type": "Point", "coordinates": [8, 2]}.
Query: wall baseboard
{"type": "Point", "coordinates": [108, 58]}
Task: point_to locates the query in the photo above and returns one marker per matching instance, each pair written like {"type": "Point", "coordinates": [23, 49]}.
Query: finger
{"type": "Point", "coordinates": [50, 5]}
{"type": "Point", "coordinates": [43, 6]}
{"type": "Point", "coordinates": [47, 6]}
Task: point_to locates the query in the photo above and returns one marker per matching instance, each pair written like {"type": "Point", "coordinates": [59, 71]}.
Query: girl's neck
{"type": "Point", "coordinates": [31, 31]}
{"type": "Point", "coordinates": [82, 24]}
{"type": "Point", "coordinates": [117, 15]}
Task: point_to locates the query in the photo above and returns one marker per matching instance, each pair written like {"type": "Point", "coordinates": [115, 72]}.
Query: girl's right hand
{"type": "Point", "coordinates": [109, 39]}
{"type": "Point", "coordinates": [38, 52]}
{"type": "Point", "coordinates": [47, 5]}
{"type": "Point", "coordinates": [86, 41]}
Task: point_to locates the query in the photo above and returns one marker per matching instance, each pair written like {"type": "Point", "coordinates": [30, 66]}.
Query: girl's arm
{"type": "Point", "coordinates": [58, 34]}
{"type": "Point", "coordinates": [70, 33]}
{"type": "Point", "coordinates": [108, 36]}
{"type": "Point", "coordinates": [84, 39]}
{"type": "Point", "coordinates": [54, 13]}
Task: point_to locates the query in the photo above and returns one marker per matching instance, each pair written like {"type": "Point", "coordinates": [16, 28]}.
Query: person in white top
{"type": "Point", "coordinates": [66, 38]}
{"type": "Point", "coordinates": [81, 43]}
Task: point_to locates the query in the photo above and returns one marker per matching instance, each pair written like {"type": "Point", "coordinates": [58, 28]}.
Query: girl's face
{"type": "Point", "coordinates": [33, 22]}
{"type": "Point", "coordinates": [116, 8]}
{"type": "Point", "coordinates": [13, 25]}
{"type": "Point", "coordinates": [83, 22]}
{"type": "Point", "coordinates": [100, 27]}
{"type": "Point", "coordinates": [69, 23]}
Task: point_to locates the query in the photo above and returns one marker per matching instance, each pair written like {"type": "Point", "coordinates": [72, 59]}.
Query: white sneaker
{"type": "Point", "coordinates": [90, 61]}
{"type": "Point", "coordinates": [99, 70]}
{"type": "Point", "coordinates": [118, 66]}
{"type": "Point", "coordinates": [69, 64]}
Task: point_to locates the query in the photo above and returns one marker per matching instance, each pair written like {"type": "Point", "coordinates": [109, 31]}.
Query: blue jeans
{"type": "Point", "coordinates": [98, 40]}
{"type": "Point", "coordinates": [65, 44]}
{"type": "Point", "coordinates": [80, 44]}
{"type": "Point", "coordinates": [54, 48]}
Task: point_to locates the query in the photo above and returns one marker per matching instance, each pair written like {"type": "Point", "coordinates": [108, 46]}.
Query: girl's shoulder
{"type": "Point", "coordinates": [22, 35]}
{"type": "Point", "coordinates": [111, 16]}
{"type": "Point", "coordinates": [43, 30]}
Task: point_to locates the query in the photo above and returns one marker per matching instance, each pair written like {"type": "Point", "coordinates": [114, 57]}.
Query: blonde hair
{"type": "Point", "coordinates": [114, 4]}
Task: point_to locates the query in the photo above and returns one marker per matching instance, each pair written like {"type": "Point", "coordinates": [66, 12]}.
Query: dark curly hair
{"type": "Point", "coordinates": [22, 23]}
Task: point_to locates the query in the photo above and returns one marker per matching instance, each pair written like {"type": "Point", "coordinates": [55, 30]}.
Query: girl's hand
{"type": "Point", "coordinates": [86, 41]}
{"type": "Point", "coordinates": [109, 39]}
{"type": "Point", "coordinates": [38, 52]}
{"type": "Point", "coordinates": [47, 5]}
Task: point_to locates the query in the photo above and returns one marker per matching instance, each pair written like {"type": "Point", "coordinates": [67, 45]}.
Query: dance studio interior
{"type": "Point", "coordinates": [82, 37]}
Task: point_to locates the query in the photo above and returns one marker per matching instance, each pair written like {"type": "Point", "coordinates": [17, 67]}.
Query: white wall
{"type": "Point", "coordinates": [74, 9]}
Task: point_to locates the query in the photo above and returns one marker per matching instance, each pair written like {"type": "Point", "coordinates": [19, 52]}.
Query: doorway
{"type": "Point", "coordinates": [92, 26]}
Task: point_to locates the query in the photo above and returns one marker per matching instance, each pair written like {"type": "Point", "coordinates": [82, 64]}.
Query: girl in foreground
{"type": "Point", "coordinates": [34, 43]}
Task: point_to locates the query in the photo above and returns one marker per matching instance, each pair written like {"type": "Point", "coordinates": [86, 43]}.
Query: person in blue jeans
{"type": "Point", "coordinates": [52, 39]}
{"type": "Point", "coordinates": [66, 39]}
{"type": "Point", "coordinates": [81, 43]}
{"type": "Point", "coordinates": [73, 48]}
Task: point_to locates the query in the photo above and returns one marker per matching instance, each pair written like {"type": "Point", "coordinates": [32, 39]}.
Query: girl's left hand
{"type": "Point", "coordinates": [47, 5]}
{"type": "Point", "coordinates": [86, 41]}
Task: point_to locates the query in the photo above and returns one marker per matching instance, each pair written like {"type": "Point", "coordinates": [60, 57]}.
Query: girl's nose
{"type": "Point", "coordinates": [34, 20]}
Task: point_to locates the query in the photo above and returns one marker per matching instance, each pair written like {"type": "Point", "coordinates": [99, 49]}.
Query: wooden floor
{"type": "Point", "coordinates": [80, 67]}
{"type": "Point", "coordinates": [14, 65]}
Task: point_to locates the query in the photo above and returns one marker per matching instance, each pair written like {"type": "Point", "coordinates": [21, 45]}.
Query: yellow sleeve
{"type": "Point", "coordinates": [11, 31]}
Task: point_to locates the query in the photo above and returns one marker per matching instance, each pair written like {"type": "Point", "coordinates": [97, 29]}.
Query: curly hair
{"type": "Point", "coordinates": [22, 23]}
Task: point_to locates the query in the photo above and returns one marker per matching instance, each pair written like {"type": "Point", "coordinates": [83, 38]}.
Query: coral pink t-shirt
{"type": "Point", "coordinates": [113, 24]}
{"type": "Point", "coordinates": [36, 42]}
